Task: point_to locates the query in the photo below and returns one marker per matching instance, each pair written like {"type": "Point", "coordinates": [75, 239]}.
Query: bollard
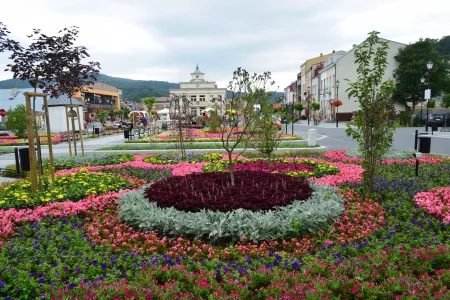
{"type": "Point", "coordinates": [312, 136]}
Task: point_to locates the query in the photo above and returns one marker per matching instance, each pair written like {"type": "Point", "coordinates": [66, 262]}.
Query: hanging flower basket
{"type": "Point", "coordinates": [336, 103]}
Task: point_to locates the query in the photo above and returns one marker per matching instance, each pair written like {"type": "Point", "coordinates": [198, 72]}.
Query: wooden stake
{"type": "Point", "coordinates": [68, 132]}
{"type": "Point", "coordinates": [49, 137]}
{"type": "Point", "coordinates": [31, 153]}
{"type": "Point", "coordinates": [81, 134]}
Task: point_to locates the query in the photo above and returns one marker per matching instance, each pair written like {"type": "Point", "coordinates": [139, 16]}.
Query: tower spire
{"type": "Point", "coordinates": [197, 67]}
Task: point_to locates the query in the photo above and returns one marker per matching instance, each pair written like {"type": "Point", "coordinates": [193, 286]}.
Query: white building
{"type": "Point", "coordinates": [290, 93]}
{"type": "Point", "coordinates": [200, 92]}
{"type": "Point", "coordinates": [344, 67]}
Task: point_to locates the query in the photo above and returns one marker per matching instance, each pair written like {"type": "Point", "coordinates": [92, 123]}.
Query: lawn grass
{"type": "Point", "coordinates": [192, 146]}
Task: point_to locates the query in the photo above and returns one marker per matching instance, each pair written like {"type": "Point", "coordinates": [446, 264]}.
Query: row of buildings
{"type": "Point", "coordinates": [322, 79]}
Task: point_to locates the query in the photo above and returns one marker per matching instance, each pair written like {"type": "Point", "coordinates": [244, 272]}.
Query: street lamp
{"type": "Point", "coordinates": [308, 103]}
{"type": "Point", "coordinates": [422, 80]}
{"type": "Point", "coordinates": [337, 96]}
{"type": "Point", "coordinates": [429, 67]}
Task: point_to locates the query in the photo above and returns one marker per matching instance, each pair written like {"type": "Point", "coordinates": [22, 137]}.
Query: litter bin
{"type": "Point", "coordinates": [424, 144]}
{"type": "Point", "coordinates": [96, 130]}
{"type": "Point", "coordinates": [126, 134]}
{"type": "Point", "coordinates": [24, 157]}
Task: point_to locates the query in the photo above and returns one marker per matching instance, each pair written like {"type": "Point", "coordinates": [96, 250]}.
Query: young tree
{"type": "Point", "coordinates": [412, 65]}
{"type": "Point", "coordinates": [372, 129]}
{"type": "Point", "coordinates": [238, 110]}
{"type": "Point", "coordinates": [180, 107]}
{"type": "Point", "coordinates": [17, 121]}
{"type": "Point", "coordinates": [299, 107]}
{"type": "Point", "coordinates": [266, 135]}
{"type": "Point", "coordinates": [315, 106]}
{"type": "Point", "coordinates": [102, 115]}
{"type": "Point", "coordinates": [149, 102]}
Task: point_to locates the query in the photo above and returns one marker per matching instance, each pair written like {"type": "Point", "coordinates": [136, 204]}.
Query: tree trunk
{"type": "Point", "coordinates": [268, 160]}
{"type": "Point", "coordinates": [231, 168]}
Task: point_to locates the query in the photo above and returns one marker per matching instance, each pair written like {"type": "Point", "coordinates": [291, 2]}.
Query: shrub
{"type": "Point", "coordinates": [253, 190]}
{"type": "Point", "coordinates": [390, 154]}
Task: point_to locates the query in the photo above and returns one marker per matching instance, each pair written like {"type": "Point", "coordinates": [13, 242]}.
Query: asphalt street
{"type": "Point", "coordinates": [328, 136]}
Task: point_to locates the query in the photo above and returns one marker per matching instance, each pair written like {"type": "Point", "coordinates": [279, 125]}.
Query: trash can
{"type": "Point", "coordinates": [126, 134]}
{"type": "Point", "coordinates": [24, 156]}
{"type": "Point", "coordinates": [96, 130]}
{"type": "Point", "coordinates": [424, 144]}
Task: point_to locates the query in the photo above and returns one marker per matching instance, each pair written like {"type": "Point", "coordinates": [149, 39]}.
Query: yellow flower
{"type": "Point", "coordinates": [60, 196]}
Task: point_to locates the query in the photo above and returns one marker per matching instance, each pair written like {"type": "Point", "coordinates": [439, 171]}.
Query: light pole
{"type": "Point", "coordinates": [308, 104]}
{"type": "Point", "coordinates": [422, 80]}
{"type": "Point", "coordinates": [429, 67]}
{"type": "Point", "coordinates": [337, 107]}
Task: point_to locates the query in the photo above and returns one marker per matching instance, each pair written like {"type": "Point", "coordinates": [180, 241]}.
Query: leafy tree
{"type": "Point", "coordinates": [16, 121]}
{"type": "Point", "coordinates": [112, 113]}
{"type": "Point", "coordinates": [412, 66]}
{"type": "Point", "coordinates": [137, 100]}
{"type": "Point", "coordinates": [431, 103]}
{"type": "Point", "coordinates": [372, 129]}
{"type": "Point", "coordinates": [265, 132]}
{"type": "Point", "coordinates": [446, 104]}
{"type": "Point", "coordinates": [443, 46]}
{"type": "Point", "coordinates": [102, 115]}
{"type": "Point", "coordinates": [299, 107]}
{"type": "Point", "coordinates": [149, 102]}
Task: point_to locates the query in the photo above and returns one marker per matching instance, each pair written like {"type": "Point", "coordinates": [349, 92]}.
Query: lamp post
{"type": "Point", "coordinates": [429, 67]}
{"type": "Point", "coordinates": [308, 104]}
{"type": "Point", "coordinates": [422, 80]}
{"type": "Point", "coordinates": [337, 107]}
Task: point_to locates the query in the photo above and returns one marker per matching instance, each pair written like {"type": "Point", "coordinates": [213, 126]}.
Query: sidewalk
{"type": "Point", "coordinates": [342, 124]}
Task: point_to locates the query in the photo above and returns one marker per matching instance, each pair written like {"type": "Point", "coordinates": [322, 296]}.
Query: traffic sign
{"type": "Point", "coordinates": [2, 112]}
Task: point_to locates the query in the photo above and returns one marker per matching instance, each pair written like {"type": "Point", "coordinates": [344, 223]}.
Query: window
{"type": "Point", "coordinates": [202, 97]}
{"type": "Point", "coordinates": [193, 98]}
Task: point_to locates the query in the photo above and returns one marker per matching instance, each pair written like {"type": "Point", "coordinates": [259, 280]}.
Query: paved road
{"type": "Point", "coordinates": [329, 136]}
{"type": "Point", "coordinates": [335, 138]}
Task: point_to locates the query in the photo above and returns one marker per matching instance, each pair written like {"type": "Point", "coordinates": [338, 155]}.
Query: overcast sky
{"type": "Point", "coordinates": [165, 39]}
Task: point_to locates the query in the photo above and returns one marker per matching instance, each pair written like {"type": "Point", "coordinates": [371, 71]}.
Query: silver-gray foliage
{"type": "Point", "coordinates": [295, 220]}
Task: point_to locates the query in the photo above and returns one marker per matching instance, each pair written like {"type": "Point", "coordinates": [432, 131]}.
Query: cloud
{"type": "Point", "coordinates": [164, 40]}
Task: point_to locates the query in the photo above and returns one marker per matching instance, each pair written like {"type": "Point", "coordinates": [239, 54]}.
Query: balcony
{"type": "Point", "coordinates": [103, 106]}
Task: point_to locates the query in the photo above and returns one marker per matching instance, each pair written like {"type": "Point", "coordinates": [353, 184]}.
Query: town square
{"type": "Point", "coordinates": [224, 150]}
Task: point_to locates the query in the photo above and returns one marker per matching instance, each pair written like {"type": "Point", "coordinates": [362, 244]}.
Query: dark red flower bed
{"type": "Point", "coordinates": [274, 166]}
{"type": "Point", "coordinates": [254, 190]}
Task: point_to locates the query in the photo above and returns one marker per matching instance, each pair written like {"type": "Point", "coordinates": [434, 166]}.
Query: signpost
{"type": "Point", "coordinates": [2, 112]}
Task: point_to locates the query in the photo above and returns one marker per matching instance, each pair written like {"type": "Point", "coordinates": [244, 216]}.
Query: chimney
{"type": "Point", "coordinates": [321, 54]}
{"type": "Point", "coordinates": [334, 51]}
{"type": "Point", "coordinates": [13, 93]}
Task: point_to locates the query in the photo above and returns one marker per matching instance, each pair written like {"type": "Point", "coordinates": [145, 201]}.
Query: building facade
{"type": "Point", "coordinates": [200, 92]}
{"type": "Point", "coordinates": [98, 96]}
{"type": "Point", "coordinates": [340, 68]}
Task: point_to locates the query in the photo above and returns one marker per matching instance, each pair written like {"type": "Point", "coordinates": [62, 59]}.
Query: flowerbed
{"type": "Point", "coordinates": [341, 155]}
{"type": "Point", "coordinates": [174, 158]}
{"type": "Point", "coordinates": [212, 191]}
{"type": "Point", "coordinates": [293, 167]}
{"type": "Point", "coordinates": [290, 221]}
{"type": "Point", "coordinates": [66, 187]}
{"type": "Point", "coordinates": [91, 159]}
{"type": "Point", "coordinates": [387, 248]}
{"type": "Point", "coordinates": [436, 202]}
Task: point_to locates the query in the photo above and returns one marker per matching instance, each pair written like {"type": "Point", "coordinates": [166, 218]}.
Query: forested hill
{"type": "Point", "coordinates": [132, 89]}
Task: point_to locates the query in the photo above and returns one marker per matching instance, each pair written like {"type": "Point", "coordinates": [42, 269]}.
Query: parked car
{"type": "Point", "coordinates": [434, 119]}
{"type": "Point", "coordinates": [90, 127]}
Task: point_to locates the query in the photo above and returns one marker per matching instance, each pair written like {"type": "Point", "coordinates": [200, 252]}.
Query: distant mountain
{"type": "Point", "coordinates": [131, 89]}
